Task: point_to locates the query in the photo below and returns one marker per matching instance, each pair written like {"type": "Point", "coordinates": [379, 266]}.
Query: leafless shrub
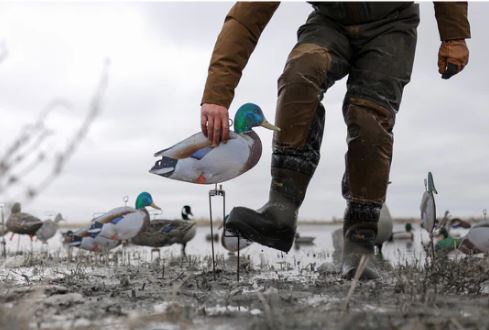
{"type": "Point", "coordinates": [22, 157]}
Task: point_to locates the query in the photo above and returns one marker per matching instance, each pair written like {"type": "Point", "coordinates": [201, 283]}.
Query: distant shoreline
{"type": "Point", "coordinates": [201, 222]}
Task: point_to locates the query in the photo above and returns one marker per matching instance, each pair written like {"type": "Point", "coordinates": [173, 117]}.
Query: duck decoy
{"type": "Point", "coordinates": [22, 223]}
{"type": "Point", "coordinates": [303, 239]}
{"type": "Point", "coordinates": [447, 243]}
{"type": "Point", "coordinates": [459, 223]}
{"type": "Point", "coordinates": [162, 232]}
{"type": "Point", "coordinates": [123, 223]}
{"type": "Point", "coordinates": [428, 207]}
{"type": "Point", "coordinates": [93, 242]}
{"type": "Point", "coordinates": [48, 229]}
{"type": "Point", "coordinates": [407, 234]}
{"type": "Point", "coordinates": [384, 228]}
{"type": "Point", "coordinates": [476, 240]}
{"type": "Point", "coordinates": [230, 241]}
{"type": "Point", "coordinates": [195, 160]}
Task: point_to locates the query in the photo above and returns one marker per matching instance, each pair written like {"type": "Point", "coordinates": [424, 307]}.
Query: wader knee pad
{"type": "Point", "coordinates": [369, 155]}
{"type": "Point", "coordinates": [300, 89]}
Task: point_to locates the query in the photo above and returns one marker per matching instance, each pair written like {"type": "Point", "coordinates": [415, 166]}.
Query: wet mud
{"type": "Point", "coordinates": [123, 291]}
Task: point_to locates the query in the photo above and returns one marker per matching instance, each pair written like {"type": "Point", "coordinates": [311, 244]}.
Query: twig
{"type": "Point", "coordinates": [360, 269]}
{"type": "Point", "coordinates": [267, 309]}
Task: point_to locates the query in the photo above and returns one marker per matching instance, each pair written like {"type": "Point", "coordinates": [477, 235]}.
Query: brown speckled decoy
{"type": "Point", "coordinates": [22, 223]}
{"type": "Point", "coordinates": [162, 232]}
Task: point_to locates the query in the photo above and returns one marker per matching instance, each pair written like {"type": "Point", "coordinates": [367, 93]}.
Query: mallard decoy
{"type": "Point", "coordinates": [196, 160]}
{"type": "Point", "coordinates": [163, 232]}
{"type": "Point", "coordinates": [123, 223]}
{"type": "Point", "coordinates": [49, 228]}
{"type": "Point", "coordinates": [447, 243]}
{"type": "Point", "coordinates": [428, 207]}
{"type": "Point", "coordinates": [22, 223]}
{"type": "Point", "coordinates": [459, 223]}
{"type": "Point", "coordinates": [229, 241]}
{"type": "Point", "coordinates": [93, 242]}
{"type": "Point", "coordinates": [476, 240]}
{"type": "Point", "coordinates": [407, 234]}
{"type": "Point", "coordinates": [384, 227]}
{"type": "Point", "coordinates": [303, 239]}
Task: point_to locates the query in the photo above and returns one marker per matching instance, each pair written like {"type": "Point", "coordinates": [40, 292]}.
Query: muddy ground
{"type": "Point", "coordinates": [123, 292]}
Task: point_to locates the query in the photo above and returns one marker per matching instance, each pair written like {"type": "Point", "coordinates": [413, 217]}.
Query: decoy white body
{"type": "Point", "coordinates": [218, 164]}
{"type": "Point", "coordinates": [230, 242]}
{"type": "Point", "coordinates": [129, 222]}
{"type": "Point", "coordinates": [384, 231]}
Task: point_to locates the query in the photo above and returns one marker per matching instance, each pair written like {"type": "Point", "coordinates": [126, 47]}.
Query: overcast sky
{"type": "Point", "coordinates": [159, 56]}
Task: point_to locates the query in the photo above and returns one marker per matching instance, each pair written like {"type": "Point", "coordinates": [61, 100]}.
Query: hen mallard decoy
{"type": "Point", "coordinates": [163, 232]}
{"type": "Point", "coordinates": [196, 160]}
{"type": "Point", "coordinates": [428, 207]}
{"type": "Point", "coordinates": [123, 223]}
{"type": "Point", "coordinates": [49, 228]}
{"type": "Point", "coordinates": [22, 223]}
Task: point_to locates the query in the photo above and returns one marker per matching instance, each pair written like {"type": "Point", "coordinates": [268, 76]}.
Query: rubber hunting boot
{"type": "Point", "coordinates": [359, 232]}
{"type": "Point", "coordinates": [275, 223]}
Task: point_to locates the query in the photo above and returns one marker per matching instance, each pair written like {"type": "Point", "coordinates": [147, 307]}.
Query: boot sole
{"type": "Point", "coordinates": [280, 239]}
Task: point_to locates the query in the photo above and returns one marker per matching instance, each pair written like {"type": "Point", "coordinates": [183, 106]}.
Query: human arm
{"type": "Point", "coordinates": [454, 28]}
{"type": "Point", "coordinates": [239, 35]}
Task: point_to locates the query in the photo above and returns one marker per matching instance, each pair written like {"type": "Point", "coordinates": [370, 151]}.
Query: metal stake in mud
{"type": "Point", "coordinates": [212, 193]}
{"type": "Point", "coordinates": [4, 249]}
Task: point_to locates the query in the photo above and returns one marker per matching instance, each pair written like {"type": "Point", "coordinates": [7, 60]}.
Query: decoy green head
{"type": "Point", "coordinates": [408, 227]}
{"type": "Point", "coordinates": [430, 184]}
{"type": "Point", "coordinates": [250, 115]}
{"type": "Point", "coordinates": [144, 199]}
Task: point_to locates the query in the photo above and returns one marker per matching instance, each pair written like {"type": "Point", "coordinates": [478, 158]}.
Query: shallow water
{"type": "Point", "coordinates": [397, 252]}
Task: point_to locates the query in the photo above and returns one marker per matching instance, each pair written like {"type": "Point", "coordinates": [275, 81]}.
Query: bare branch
{"type": "Point", "coordinates": [61, 158]}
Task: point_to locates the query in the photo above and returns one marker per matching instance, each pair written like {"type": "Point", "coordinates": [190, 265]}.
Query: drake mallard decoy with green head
{"type": "Point", "coordinates": [196, 160]}
{"type": "Point", "coordinates": [447, 243]}
{"type": "Point", "coordinates": [123, 223]}
{"type": "Point", "coordinates": [428, 207]}
{"type": "Point", "coordinates": [22, 223]}
{"type": "Point", "coordinates": [49, 228]}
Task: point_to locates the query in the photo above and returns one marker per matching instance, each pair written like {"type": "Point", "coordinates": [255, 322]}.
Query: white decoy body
{"type": "Point", "coordinates": [477, 239]}
{"type": "Point", "coordinates": [195, 160]}
{"type": "Point", "coordinates": [384, 227]}
{"type": "Point", "coordinates": [48, 229]}
{"type": "Point", "coordinates": [428, 207]}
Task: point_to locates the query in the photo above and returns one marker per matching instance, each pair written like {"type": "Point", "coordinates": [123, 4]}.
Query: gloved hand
{"type": "Point", "coordinates": [452, 57]}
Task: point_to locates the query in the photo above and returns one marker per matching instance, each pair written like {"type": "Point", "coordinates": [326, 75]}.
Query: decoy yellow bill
{"type": "Point", "coordinates": [268, 125]}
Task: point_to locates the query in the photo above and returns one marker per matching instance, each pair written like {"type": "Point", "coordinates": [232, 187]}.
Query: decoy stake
{"type": "Point", "coordinates": [4, 244]}
{"type": "Point", "coordinates": [213, 193]}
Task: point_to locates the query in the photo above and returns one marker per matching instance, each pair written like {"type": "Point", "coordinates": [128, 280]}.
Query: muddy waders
{"type": "Point", "coordinates": [377, 56]}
